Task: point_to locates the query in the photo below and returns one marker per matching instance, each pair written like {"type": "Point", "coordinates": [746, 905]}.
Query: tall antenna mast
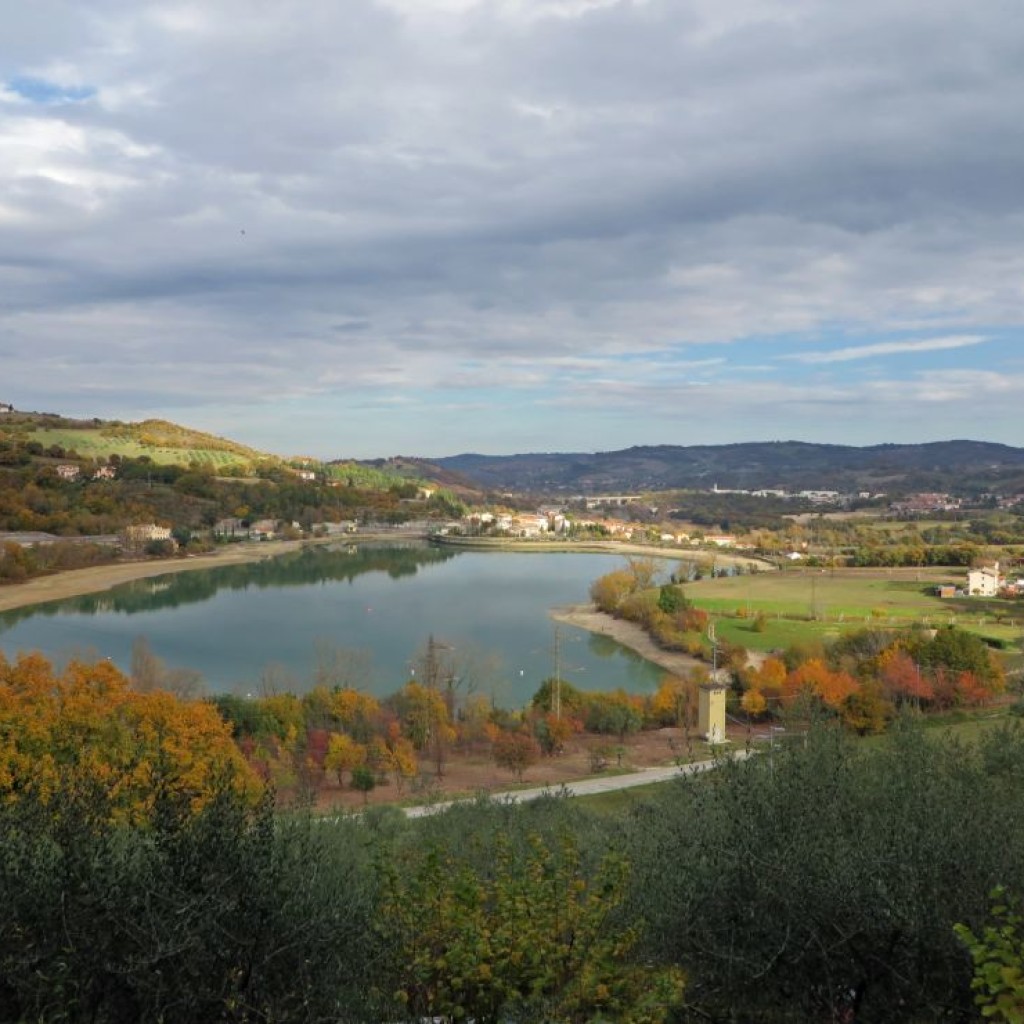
{"type": "Point", "coordinates": [557, 697]}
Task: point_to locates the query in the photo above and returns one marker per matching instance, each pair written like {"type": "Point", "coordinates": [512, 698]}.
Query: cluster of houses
{"type": "Point", "coordinates": [921, 504]}
{"type": "Point", "coordinates": [551, 520]}
{"type": "Point", "coordinates": [987, 581]}
{"type": "Point", "coordinates": [815, 497]}
{"type": "Point", "coordinates": [69, 471]}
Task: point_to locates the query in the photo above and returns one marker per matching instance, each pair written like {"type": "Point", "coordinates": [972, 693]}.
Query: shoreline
{"type": "Point", "coordinates": [604, 547]}
{"type": "Point", "coordinates": [97, 578]}
{"type": "Point", "coordinates": [627, 634]}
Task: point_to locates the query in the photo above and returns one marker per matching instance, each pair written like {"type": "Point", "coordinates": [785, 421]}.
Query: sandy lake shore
{"type": "Point", "coordinates": [96, 578]}
{"type": "Point", "coordinates": [628, 634]}
{"type": "Point", "coordinates": [102, 577]}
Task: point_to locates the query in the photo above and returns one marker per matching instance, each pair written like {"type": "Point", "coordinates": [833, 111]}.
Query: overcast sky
{"type": "Point", "coordinates": [421, 227]}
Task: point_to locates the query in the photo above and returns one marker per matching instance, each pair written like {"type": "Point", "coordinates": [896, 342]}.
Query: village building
{"type": "Point", "coordinates": [721, 540]}
{"type": "Point", "coordinates": [336, 529]}
{"type": "Point", "coordinates": [67, 471]}
{"type": "Point", "coordinates": [984, 582]}
{"type": "Point", "coordinates": [135, 537]}
{"type": "Point", "coordinates": [230, 527]}
{"type": "Point", "coordinates": [917, 504]}
{"type": "Point", "coordinates": [263, 529]}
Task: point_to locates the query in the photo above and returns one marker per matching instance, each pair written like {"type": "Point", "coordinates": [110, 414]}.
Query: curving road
{"type": "Point", "coordinates": [587, 787]}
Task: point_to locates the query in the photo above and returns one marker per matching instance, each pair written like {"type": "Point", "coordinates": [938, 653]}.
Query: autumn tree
{"type": "Point", "coordinates": [150, 672]}
{"type": "Point", "coordinates": [87, 729]}
{"type": "Point", "coordinates": [643, 571]}
{"type": "Point", "coordinates": [358, 713]}
{"type": "Point", "coordinates": [901, 678]}
{"type": "Point", "coordinates": [753, 703]}
{"type": "Point", "coordinates": [344, 754]}
{"type": "Point", "coordinates": [515, 751]}
{"type": "Point", "coordinates": [424, 716]}
{"type": "Point", "coordinates": [609, 591]}
{"type": "Point", "coordinates": [815, 679]}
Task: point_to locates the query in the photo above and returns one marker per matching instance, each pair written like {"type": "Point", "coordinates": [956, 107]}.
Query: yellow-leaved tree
{"type": "Point", "coordinates": [86, 733]}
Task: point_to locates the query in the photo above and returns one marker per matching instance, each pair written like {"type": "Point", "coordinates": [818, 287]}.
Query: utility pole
{"type": "Point", "coordinates": [557, 692]}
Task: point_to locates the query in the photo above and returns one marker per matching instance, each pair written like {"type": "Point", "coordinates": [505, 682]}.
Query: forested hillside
{"type": "Point", "coordinates": [73, 478]}
{"type": "Point", "coordinates": [946, 465]}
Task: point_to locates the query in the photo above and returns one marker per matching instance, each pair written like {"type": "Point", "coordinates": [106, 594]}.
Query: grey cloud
{"type": "Point", "coordinates": [418, 194]}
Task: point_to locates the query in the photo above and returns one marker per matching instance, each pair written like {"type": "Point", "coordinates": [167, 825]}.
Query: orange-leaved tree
{"type": "Point", "coordinates": [86, 733]}
{"type": "Point", "coordinates": [815, 678]}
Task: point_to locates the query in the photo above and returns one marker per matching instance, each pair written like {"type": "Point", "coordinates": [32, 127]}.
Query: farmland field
{"type": "Point", "coordinates": [797, 607]}
{"type": "Point", "coordinates": [94, 444]}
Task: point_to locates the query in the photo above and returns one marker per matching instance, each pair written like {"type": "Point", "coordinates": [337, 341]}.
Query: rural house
{"type": "Point", "coordinates": [984, 582]}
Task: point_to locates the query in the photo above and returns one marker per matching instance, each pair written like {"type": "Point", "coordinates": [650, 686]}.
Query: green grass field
{"type": "Point", "coordinates": [96, 444]}
{"type": "Point", "coordinates": [802, 607]}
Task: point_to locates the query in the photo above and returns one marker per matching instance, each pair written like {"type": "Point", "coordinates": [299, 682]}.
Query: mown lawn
{"type": "Point", "coordinates": [779, 632]}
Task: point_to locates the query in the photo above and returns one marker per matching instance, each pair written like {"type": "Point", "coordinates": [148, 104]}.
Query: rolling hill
{"type": "Point", "coordinates": [959, 466]}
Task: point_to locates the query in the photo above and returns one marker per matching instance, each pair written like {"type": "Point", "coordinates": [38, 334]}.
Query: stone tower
{"type": "Point", "coordinates": [711, 712]}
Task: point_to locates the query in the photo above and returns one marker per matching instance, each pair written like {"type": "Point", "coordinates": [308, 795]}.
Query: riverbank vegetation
{"type": "Point", "coordinates": [880, 660]}
{"type": "Point", "coordinates": [145, 877]}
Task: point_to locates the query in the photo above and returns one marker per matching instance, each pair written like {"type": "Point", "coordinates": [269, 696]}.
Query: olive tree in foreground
{"type": "Point", "coordinates": [824, 883]}
{"type": "Point", "coordinates": [530, 939]}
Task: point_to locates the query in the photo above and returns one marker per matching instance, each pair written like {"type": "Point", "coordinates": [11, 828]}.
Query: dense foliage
{"type": "Point", "coordinates": [826, 879]}
{"type": "Point", "coordinates": [819, 882]}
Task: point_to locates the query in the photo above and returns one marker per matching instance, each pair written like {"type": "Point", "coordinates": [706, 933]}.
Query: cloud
{"type": "Point", "coordinates": [888, 348]}
{"type": "Point", "coordinates": [404, 199]}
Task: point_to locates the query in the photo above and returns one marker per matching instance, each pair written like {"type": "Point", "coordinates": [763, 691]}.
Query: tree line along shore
{"type": "Point", "coordinates": [146, 874]}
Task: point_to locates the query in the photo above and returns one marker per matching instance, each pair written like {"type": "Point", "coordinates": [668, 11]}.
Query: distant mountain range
{"type": "Point", "coordinates": [962, 467]}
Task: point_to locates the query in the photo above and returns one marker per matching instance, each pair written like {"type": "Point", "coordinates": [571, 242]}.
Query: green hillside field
{"type": "Point", "coordinates": [165, 443]}
{"type": "Point", "coordinates": [804, 606]}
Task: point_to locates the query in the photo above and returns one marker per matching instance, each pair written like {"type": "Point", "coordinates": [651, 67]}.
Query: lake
{"type": "Point", "coordinates": [272, 623]}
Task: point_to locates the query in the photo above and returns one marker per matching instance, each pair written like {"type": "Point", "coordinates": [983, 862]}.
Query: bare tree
{"type": "Point", "coordinates": [340, 668]}
{"type": "Point", "coordinates": [147, 668]}
{"type": "Point", "coordinates": [150, 672]}
{"type": "Point", "coordinates": [644, 571]}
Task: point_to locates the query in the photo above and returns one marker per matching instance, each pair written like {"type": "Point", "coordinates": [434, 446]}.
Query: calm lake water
{"type": "Point", "coordinates": [273, 622]}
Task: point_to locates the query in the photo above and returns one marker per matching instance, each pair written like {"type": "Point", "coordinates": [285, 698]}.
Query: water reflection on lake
{"type": "Point", "coordinates": [231, 622]}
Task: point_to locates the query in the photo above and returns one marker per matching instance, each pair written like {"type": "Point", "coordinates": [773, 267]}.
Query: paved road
{"type": "Point", "coordinates": [586, 787]}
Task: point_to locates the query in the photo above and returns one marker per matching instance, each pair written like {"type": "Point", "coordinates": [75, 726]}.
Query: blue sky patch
{"type": "Point", "coordinates": [38, 90]}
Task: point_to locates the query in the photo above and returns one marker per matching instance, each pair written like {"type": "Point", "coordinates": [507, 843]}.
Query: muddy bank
{"type": "Point", "coordinates": [94, 579]}
{"type": "Point", "coordinates": [586, 616]}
